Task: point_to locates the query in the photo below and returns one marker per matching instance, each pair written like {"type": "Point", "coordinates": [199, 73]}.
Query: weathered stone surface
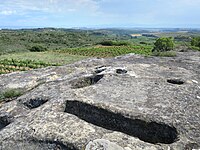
{"type": "Point", "coordinates": [102, 144]}
{"type": "Point", "coordinates": [127, 103]}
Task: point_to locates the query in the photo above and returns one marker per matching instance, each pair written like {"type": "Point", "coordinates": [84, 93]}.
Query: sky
{"type": "Point", "coordinates": [100, 13]}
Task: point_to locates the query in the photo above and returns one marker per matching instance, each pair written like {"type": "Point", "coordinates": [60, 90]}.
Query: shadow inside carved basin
{"type": "Point", "coordinates": [175, 81]}
{"type": "Point", "coordinates": [151, 132]}
{"type": "Point", "coordinates": [4, 121]}
{"type": "Point", "coordinates": [34, 103]}
{"type": "Point", "coordinates": [86, 81]}
{"type": "Point", "coordinates": [41, 145]}
{"type": "Point", "coordinates": [121, 71]}
{"type": "Point", "coordinates": [100, 70]}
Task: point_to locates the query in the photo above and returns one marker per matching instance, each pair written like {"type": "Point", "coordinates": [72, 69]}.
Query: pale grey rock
{"type": "Point", "coordinates": [129, 102]}
{"type": "Point", "coordinates": [102, 144]}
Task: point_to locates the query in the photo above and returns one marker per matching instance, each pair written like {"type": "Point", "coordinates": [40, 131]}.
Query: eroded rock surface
{"type": "Point", "coordinates": [124, 103]}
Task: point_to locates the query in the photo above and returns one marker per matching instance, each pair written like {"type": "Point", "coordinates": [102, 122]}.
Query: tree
{"type": "Point", "coordinates": [195, 41]}
{"type": "Point", "coordinates": [163, 44]}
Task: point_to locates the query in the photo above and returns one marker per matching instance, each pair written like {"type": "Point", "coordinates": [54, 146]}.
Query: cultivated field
{"type": "Point", "coordinates": [64, 46]}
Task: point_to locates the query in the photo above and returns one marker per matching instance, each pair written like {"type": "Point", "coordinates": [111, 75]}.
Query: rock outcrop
{"type": "Point", "coordinates": [129, 102]}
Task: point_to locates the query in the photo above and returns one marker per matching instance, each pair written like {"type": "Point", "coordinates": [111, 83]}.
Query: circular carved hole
{"type": "Point", "coordinates": [34, 103]}
{"type": "Point", "coordinates": [121, 71]}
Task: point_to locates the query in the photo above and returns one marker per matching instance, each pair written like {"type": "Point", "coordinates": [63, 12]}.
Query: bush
{"type": "Point", "coordinates": [195, 42]}
{"type": "Point", "coordinates": [115, 43]}
{"type": "Point", "coordinates": [38, 48]}
{"type": "Point", "coordinates": [143, 42]}
{"type": "Point", "coordinates": [163, 44]}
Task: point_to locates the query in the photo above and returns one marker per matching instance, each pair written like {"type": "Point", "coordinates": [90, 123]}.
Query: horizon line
{"type": "Point", "coordinates": [93, 27]}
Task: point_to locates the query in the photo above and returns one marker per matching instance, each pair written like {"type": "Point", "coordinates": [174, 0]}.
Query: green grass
{"type": "Point", "coordinates": [47, 57]}
{"type": "Point", "coordinates": [10, 93]}
{"type": "Point", "coordinates": [12, 65]}
{"type": "Point", "coordinates": [147, 40]}
{"type": "Point", "coordinates": [32, 60]}
{"type": "Point", "coordinates": [164, 54]}
{"type": "Point", "coordinates": [195, 48]}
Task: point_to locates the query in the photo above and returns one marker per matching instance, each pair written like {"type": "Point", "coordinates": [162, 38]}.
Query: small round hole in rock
{"type": "Point", "coordinates": [87, 81]}
{"type": "Point", "coordinates": [34, 103]}
{"type": "Point", "coordinates": [175, 81]}
{"type": "Point", "coordinates": [4, 121]}
{"type": "Point", "coordinates": [121, 71]}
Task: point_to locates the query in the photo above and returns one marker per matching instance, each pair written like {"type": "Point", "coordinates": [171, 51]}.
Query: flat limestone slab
{"type": "Point", "coordinates": [129, 102]}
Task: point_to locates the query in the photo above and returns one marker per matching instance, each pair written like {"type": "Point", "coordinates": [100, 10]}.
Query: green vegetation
{"type": "Point", "coordinates": [195, 42]}
{"type": "Point", "coordinates": [28, 49]}
{"type": "Point", "coordinates": [49, 57]}
{"type": "Point", "coordinates": [38, 48]}
{"type": "Point", "coordinates": [115, 43]}
{"type": "Point", "coordinates": [8, 66]}
{"type": "Point", "coordinates": [165, 54]}
{"type": "Point", "coordinates": [10, 93]}
{"type": "Point", "coordinates": [163, 44]}
{"type": "Point", "coordinates": [54, 39]}
{"type": "Point", "coordinates": [111, 51]}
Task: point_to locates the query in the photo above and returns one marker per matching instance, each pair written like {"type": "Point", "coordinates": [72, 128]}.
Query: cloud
{"type": "Point", "coordinates": [83, 12]}
{"type": "Point", "coordinates": [49, 6]}
{"type": "Point", "coordinates": [7, 12]}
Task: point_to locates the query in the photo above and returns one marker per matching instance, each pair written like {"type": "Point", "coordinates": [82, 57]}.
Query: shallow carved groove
{"type": "Point", "coordinates": [87, 81]}
{"type": "Point", "coordinates": [175, 81]}
{"type": "Point", "coordinates": [34, 103]}
{"type": "Point", "coordinates": [4, 121]}
{"type": "Point", "coordinates": [151, 132]}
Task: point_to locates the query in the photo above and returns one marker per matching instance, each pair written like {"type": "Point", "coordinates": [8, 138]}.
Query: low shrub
{"type": "Point", "coordinates": [195, 42]}
{"type": "Point", "coordinates": [143, 43]}
{"type": "Point", "coordinates": [38, 48]}
{"type": "Point", "coordinates": [115, 43]}
{"type": "Point", "coordinates": [164, 54]}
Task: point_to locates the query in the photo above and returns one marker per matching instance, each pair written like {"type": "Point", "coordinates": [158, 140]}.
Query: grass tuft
{"type": "Point", "coordinates": [10, 93]}
{"type": "Point", "coordinates": [164, 54]}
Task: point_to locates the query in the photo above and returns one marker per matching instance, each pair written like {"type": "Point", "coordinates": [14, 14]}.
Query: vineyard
{"type": "Point", "coordinates": [8, 66]}
{"type": "Point", "coordinates": [109, 51]}
{"type": "Point", "coordinates": [18, 64]}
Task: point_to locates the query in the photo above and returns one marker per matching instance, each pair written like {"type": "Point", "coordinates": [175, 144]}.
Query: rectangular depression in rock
{"type": "Point", "coordinates": [151, 132]}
